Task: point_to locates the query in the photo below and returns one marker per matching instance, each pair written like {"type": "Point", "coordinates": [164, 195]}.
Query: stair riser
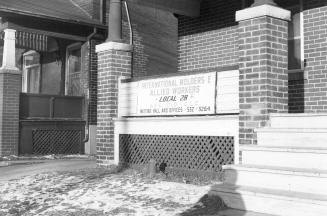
{"type": "Point", "coordinates": [285, 159]}
{"type": "Point", "coordinates": [272, 205]}
{"type": "Point", "coordinates": [298, 183]}
{"type": "Point", "coordinates": [299, 122]}
{"type": "Point", "coordinates": [298, 139]}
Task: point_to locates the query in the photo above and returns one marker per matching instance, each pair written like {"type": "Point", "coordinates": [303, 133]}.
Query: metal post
{"type": "Point", "coordinates": [263, 2]}
{"type": "Point", "coordinates": [115, 21]}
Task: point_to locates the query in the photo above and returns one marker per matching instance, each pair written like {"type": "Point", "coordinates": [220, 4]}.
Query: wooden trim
{"type": "Point", "coordinates": [51, 95]}
{"type": "Point", "coordinates": [47, 33]}
{"type": "Point", "coordinates": [95, 24]}
{"type": "Point", "coordinates": [207, 70]}
{"type": "Point", "coordinates": [77, 45]}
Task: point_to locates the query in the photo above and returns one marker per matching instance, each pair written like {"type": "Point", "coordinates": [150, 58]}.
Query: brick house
{"type": "Point", "coordinates": [48, 75]}
{"type": "Point", "coordinates": [210, 86]}
{"type": "Point", "coordinates": [248, 97]}
{"type": "Point", "coordinates": [54, 68]}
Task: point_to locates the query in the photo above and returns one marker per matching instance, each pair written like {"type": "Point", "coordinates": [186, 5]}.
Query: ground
{"type": "Point", "coordinates": [62, 187]}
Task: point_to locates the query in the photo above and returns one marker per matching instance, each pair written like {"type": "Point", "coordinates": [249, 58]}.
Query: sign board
{"type": "Point", "coordinates": [227, 92]}
{"type": "Point", "coordinates": [181, 95]}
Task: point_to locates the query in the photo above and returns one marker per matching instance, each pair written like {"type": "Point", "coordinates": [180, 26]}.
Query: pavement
{"type": "Point", "coordinates": [10, 170]}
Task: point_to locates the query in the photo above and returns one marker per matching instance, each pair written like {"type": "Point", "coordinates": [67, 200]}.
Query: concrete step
{"type": "Point", "coordinates": [298, 120]}
{"type": "Point", "coordinates": [290, 157]}
{"type": "Point", "coordinates": [277, 202]}
{"type": "Point", "coordinates": [280, 178]}
{"type": "Point", "coordinates": [295, 137]}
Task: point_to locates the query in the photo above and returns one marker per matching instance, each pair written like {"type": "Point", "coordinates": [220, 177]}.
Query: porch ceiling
{"type": "Point", "coordinates": [63, 10]}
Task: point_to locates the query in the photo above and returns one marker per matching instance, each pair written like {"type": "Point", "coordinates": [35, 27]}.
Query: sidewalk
{"type": "Point", "coordinates": [19, 168]}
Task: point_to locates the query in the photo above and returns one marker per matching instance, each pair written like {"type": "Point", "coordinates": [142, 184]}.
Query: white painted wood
{"type": "Point", "coordinates": [131, 99]}
{"type": "Point", "coordinates": [285, 157]}
{"type": "Point", "coordinates": [201, 126]}
{"type": "Point", "coordinates": [294, 137]}
{"type": "Point", "coordinates": [9, 51]}
{"type": "Point", "coordinates": [90, 146]}
{"type": "Point", "coordinates": [281, 203]}
{"type": "Point", "coordinates": [127, 99]}
{"type": "Point", "coordinates": [178, 95]}
{"type": "Point", "coordinates": [296, 180]}
{"type": "Point", "coordinates": [227, 100]}
{"type": "Point", "coordinates": [303, 120]}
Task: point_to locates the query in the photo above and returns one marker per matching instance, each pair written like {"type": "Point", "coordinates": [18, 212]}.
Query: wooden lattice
{"type": "Point", "coordinates": [57, 141]}
{"type": "Point", "coordinates": [203, 153]}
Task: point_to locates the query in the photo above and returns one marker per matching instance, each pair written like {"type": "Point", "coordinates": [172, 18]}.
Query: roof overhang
{"type": "Point", "coordinates": [43, 16]}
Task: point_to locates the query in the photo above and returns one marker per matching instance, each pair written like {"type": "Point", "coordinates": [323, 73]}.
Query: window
{"type": "Point", "coordinates": [31, 72]}
{"type": "Point", "coordinates": [73, 70]}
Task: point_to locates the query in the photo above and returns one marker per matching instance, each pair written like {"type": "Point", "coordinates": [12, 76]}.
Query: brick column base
{"type": "Point", "coordinates": [10, 87]}
{"type": "Point", "coordinates": [263, 33]}
{"type": "Point", "coordinates": [114, 61]}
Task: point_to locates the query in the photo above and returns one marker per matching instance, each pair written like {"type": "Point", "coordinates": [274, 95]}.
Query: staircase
{"type": "Point", "coordinates": [286, 173]}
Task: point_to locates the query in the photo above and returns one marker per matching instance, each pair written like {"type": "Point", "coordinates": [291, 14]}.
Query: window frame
{"type": "Point", "coordinates": [25, 75]}
{"type": "Point", "coordinates": [74, 46]}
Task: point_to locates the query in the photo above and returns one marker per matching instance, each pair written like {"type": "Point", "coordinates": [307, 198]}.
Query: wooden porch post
{"type": "Point", "coordinates": [9, 50]}
{"type": "Point", "coordinates": [10, 87]}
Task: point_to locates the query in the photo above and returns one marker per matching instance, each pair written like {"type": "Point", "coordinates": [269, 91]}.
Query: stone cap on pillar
{"type": "Point", "coordinates": [263, 10]}
{"type": "Point", "coordinates": [113, 46]}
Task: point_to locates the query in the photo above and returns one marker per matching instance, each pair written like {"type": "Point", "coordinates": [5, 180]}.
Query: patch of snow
{"type": "Point", "coordinates": [112, 193]}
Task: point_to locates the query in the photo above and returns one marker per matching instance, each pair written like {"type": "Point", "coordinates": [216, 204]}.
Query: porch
{"type": "Point", "coordinates": [46, 97]}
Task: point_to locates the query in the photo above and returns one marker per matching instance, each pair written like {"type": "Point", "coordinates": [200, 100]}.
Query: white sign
{"type": "Point", "coordinates": [182, 95]}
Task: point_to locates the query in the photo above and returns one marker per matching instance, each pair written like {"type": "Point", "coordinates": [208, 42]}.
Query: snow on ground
{"type": "Point", "coordinates": [44, 157]}
{"type": "Point", "coordinates": [97, 192]}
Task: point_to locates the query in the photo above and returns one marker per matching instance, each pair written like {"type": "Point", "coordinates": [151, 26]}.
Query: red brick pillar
{"type": "Point", "coordinates": [263, 61]}
{"type": "Point", "coordinates": [114, 61]}
{"type": "Point", "coordinates": [10, 87]}
{"type": "Point", "coordinates": [315, 40]}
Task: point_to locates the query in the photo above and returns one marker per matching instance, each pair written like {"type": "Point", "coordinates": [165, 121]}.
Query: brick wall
{"type": "Point", "coordinates": [10, 86]}
{"type": "Point", "coordinates": [155, 40]}
{"type": "Point", "coordinates": [111, 65]}
{"type": "Point", "coordinates": [93, 77]}
{"type": "Point", "coordinates": [263, 73]}
{"type": "Point", "coordinates": [315, 53]}
{"type": "Point", "coordinates": [209, 41]}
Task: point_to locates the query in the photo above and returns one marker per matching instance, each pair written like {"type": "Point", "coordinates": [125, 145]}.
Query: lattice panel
{"type": "Point", "coordinates": [57, 141]}
{"type": "Point", "coordinates": [203, 153]}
